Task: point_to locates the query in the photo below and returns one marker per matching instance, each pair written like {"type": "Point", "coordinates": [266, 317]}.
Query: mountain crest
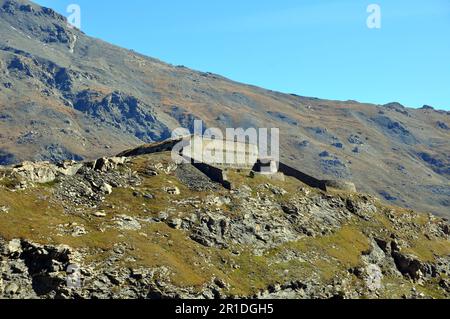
{"type": "Point", "coordinates": [65, 95]}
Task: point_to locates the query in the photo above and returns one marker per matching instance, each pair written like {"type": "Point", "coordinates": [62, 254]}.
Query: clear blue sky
{"type": "Point", "coordinates": [309, 47]}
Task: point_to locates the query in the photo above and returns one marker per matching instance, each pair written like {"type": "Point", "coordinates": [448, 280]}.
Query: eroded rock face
{"type": "Point", "coordinates": [30, 270]}
{"type": "Point", "coordinates": [265, 223]}
{"type": "Point", "coordinates": [409, 265]}
{"type": "Point", "coordinates": [125, 112]}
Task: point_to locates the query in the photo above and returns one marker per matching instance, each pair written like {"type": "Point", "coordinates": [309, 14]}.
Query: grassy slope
{"type": "Point", "coordinates": [35, 215]}
{"type": "Point", "coordinates": [208, 97]}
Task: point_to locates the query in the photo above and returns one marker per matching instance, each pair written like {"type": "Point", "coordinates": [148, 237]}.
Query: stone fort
{"type": "Point", "coordinates": [215, 157]}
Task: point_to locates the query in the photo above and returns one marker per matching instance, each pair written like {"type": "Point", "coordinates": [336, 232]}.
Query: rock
{"type": "Point", "coordinates": [106, 188]}
{"type": "Point", "coordinates": [388, 196]}
{"type": "Point", "coordinates": [445, 284]}
{"type": "Point", "coordinates": [335, 167]}
{"type": "Point", "coordinates": [275, 190]}
{"type": "Point", "coordinates": [304, 144]}
{"type": "Point", "coordinates": [14, 248]}
{"type": "Point", "coordinates": [18, 267]}
{"type": "Point", "coordinates": [355, 139]}
{"type": "Point", "coordinates": [40, 173]}
{"type": "Point", "coordinates": [408, 265]}
{"type": "Point", "coordinates": [239, 225]}
{"type": "Point", "coordinates": [106, 164]}
{"type": "Point", "coordinates": [194, 179]}
{"type": "Point", "coordinates": [163, 216]}
{"type": "Point", "coordinates": [89, 187]}
{"type": "Point", "coordinates": [361, 208]}
{"type": "Point", "coordinates": [127, 223]}
{"type": "Point", "coordinates": [4, 209]}
{"type": "Point", "coordinates": [151, 173]}
{"type": "Point", "coordinates": [100, 214]}
{"type": "Point", "coordinates": [137, 274]}
{"type": "Point", "coordinates": [78, 231]}
{"type": "Point", "coordinates": [445, 228]}
{"type": "Point", "coordinates": [148, 196]}
{"type": "Point", "coordinates": [69, 168]}
{"type": "Point", "coordinates": [442, 125]}
{"type": "Point", "coordinates": [175, 223]}
{"type": "Point", "coordinates": [338, 145]}
{"type": "Point", "coordinates": [373, 278]}
{"type": "Point", "coordinates": [172, 190]}
{"type": "Point", "coordinates": [12, 289]}
{"type": "Point", "coordinates": [289, 209]}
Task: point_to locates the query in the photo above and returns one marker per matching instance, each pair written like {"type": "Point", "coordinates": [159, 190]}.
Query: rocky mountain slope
{"type": "Point", "coordinates": [144, 227]}
{"type": "Point", "coordinates": [64, 95]}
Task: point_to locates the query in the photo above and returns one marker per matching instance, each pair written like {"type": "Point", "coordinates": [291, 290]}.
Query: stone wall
{"type": "Point", "coordinates": [216, 174]}
{"type": "Point", "coordinates": [221, 153]}
{"type": "Point", "coordinates": [217, 171]}
{"type": "Point", "coordinates": [165, 146]}
{"type": "Point", "coordinates": [304, 178]}
{"type": "Point", "coordinates": [340, 185]}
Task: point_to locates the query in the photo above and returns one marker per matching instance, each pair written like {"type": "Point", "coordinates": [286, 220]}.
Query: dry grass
{"type": "Point", "coordinates": [34, 216]}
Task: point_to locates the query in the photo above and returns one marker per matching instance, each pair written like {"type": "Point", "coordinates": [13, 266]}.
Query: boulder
{"type": "Point", "coordinates": [106, 164]}
{"type": "Point", "coordinates": [175, 223]}
{"type": "Point", "coordinates": [172, 190]}
{"type": "Point", "coordinates": [69, 168]}
{"type": "Point", "coordinates": [14, 248]}
{"type": "Point", "coordinates": [408, 265]}
{"type": "Point", "coordinates": [40, 173]}
{"type": "Point", "coordinates": [11, 289]}
{"type": "Point", "coordinates": [45, 172]}
{"type": "Point", "coordinates": [106, 188]}
{"type": "Point", "coordinates": [373, 277]}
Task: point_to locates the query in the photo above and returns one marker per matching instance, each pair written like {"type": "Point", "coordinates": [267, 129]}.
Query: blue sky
{"type": "Point", "coordinates": [308, 47]}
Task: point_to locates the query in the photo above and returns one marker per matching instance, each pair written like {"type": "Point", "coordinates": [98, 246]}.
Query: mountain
{"type": "Point", "coordinates": [143, 227]}
{"type": "Point", "coordinates": [65, 95]}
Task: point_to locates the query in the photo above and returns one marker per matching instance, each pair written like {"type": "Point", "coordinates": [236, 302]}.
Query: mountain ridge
{"type": "Point", "coordinates": [65, 95]}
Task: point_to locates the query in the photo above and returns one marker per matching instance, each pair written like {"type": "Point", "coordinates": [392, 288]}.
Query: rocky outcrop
{"type": "Point", "coordinates": [91, 99]}
{"type": "Point", "coordinates": [30, 270]}
{"type": "Point", "coordinates": [95, 180]}
{"type": "Point", "coordinates": [298, 241]}
{"type": "Point", "coordinates": [138, 226]}
{"type": "Point", "coordinates": [394, 129]}
{"type": "Point", "coordinates": [45, 172]}
{"type": "Point", "coordinates": [124, 112]}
